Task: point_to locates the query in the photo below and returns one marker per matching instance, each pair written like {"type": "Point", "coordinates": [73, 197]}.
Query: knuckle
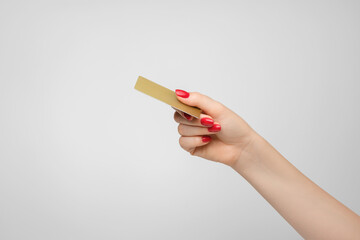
{"type": "Point", "coordinates": [181, 142]}
{"type": "Point", "coordinates": [196, 95]}
{"type": "Point", "coordinates": [180, 129]}
{"type": "Point", "coordinates": [177, 117]}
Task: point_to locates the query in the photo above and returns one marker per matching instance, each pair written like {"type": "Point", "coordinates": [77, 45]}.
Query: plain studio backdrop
{"type": "Point", "coordinates": [85, 156]}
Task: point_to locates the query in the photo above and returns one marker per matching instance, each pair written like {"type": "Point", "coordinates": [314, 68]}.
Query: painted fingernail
{"type": "Point", "coordinates": [206, 139]}
{"type": "Point", "coordinates": [182, 93]}
{"type": "Point", "coordinates": [207, 121]}
{"type": "Point", "coordinates": [187, 116]}
{"type": "Point", "coordinates": [215, 128]}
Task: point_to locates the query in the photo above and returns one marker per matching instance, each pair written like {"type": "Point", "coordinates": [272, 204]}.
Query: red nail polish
{"type": "Point", "coordinates": [188, 117]}
{"type": "Point", "coordinates": [207, 121]}
{"type": "Point", "coordinates": [215, 128]}
{"type": "Point", "coordinates": [206, 139]}
{"type": "Point", "coordinates": [182, 93]}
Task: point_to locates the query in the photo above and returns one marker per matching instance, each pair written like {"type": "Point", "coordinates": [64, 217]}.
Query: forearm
{"type": "Point", "coordinates": [310, 210]}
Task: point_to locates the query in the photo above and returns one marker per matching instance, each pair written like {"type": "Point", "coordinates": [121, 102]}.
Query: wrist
{"type": "Point", "coordinates": [260, 159]}
{"type": "Point", "coordinates": [251, 156]}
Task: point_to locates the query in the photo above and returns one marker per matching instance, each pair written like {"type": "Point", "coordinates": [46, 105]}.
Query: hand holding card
{"type": "Point", "coordinates": [223, 136]}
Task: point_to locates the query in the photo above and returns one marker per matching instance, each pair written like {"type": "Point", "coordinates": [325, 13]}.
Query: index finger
{"type": "Point", "coordinates": [184, 114]}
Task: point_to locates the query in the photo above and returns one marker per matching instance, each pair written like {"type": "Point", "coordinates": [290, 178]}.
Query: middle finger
{"type": "Point", "coordinates": [203, 121]}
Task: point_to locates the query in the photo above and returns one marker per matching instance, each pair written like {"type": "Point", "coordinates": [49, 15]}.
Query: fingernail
{"type": "Point", "coordinates": [182, 93]}
{"type": "Point", "coordinates": [215, 128]}
{"type": "Point", "coordinates": [206, 139]}
{"type": "Point", "coordinates": [207, 121]}
{"type": "Point", "coordinates": [188, 117]}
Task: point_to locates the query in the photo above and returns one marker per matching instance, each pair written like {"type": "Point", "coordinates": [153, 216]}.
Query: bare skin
{"type": "Point", "coordinates": [311, 211]}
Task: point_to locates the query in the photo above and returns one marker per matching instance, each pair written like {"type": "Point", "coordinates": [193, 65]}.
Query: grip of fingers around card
{"type": "Point", "coordinates": [195, 132]}
{"type": "Point", "coordinates": [218, 135]}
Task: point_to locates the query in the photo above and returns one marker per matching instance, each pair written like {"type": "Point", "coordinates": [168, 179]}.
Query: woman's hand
{"type": "Point", "coordinates": [219, 135]}
{"type": "Point", "coordinates": [309, 209]}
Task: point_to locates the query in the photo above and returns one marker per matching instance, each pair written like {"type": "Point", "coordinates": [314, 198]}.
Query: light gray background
{"type": "Point", "coordinates": [85, 156]}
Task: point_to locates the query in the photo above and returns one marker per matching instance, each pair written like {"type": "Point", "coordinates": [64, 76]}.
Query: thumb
{"type": "Point", "coordinates": [205, 103]}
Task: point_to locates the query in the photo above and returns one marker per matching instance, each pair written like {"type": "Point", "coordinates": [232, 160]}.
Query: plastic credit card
{"type": "Point", "coordinates": [165, 95]}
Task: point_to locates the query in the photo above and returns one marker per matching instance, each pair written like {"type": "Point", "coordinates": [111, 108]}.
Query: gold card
{"type": "Point", "coordinates": [165, 95]}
